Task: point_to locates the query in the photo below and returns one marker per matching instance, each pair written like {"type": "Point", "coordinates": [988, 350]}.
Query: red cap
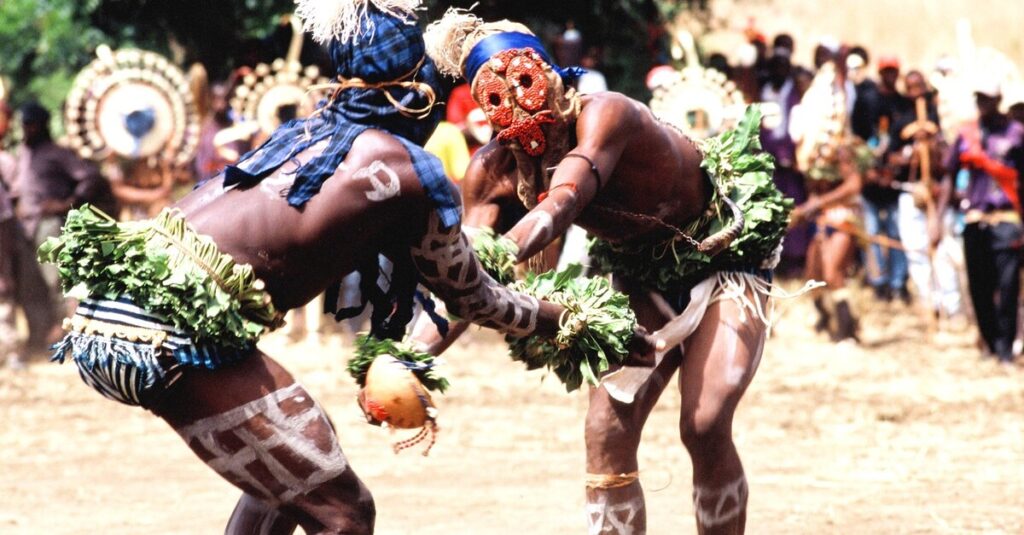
{"type": "Point", "coordinates": [888, 62]}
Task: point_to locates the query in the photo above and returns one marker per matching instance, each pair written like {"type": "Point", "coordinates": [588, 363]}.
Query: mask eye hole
{"type": "Point", "coordinates": [494, 99]}
{"type": "Point", "coordinates": [526, 81]}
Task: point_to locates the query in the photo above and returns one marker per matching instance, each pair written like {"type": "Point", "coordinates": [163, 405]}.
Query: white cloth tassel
{"type": "Point", "coordinates": [734, 286]}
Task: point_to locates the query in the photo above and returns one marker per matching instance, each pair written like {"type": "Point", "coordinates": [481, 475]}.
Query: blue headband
{"type": "Point", "coordinates": [495, 44]}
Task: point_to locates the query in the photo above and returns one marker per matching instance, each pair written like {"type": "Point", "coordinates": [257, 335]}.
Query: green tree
{"type": "Point", "coordinates": [46, 42]}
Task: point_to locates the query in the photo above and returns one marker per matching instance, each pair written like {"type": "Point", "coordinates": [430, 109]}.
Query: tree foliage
{"type": "Point", "coordinates": [46, 42]}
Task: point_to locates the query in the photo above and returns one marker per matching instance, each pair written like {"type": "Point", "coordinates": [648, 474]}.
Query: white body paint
{"type": "Point", "coordinates": [460, 275]}
{"type": "Point", "coordinates": [288, 431]}
{"type": "Point", "coordinates": [715, 507]}
{"type": "Point", "coordinates": [734, 372]}
{"type": "Point", "coordinates": [616, 518]}
{"type": "Point", "coordinates": [384, 188]}
{"type": "Point", "coordinates": [277, 185]}
{"type": "Point", "coordinates": [543, 226]}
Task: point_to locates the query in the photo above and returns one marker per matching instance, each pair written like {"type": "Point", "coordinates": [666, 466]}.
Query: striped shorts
{"type": "Point", "coordinates": [123, 351]}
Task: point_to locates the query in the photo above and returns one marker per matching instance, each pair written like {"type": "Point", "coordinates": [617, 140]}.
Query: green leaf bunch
{"type": "Point", "coordinates": [741, 171]}
{"type": "Point", "coordinates": [594, 332]}
{"type": "Point", "coordinates": [155, 264]}
{"type": "Point", "coordinates": [497, 255]}
{"type": "Point", "coordinates": [422, 365]}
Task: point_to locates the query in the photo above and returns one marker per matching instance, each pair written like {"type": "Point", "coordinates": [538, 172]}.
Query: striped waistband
{"type": "Point", "coordinates": [122, 319]}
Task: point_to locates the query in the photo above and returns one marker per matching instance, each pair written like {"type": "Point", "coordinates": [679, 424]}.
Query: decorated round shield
{"type": "Point", "coordinates": [700, 102]}
{"type": "Point", "coordinates": [133, 104]}
{"type": "Point", "coordinates": [275, 93]}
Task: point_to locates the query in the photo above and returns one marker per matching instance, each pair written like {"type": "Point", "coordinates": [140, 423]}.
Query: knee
{"type": "Point", "coordinates": [339, 507]}
{"type": "Point", "coordinates": [609, 434]}
{"type": "Point", "coordinates": [705, 431]}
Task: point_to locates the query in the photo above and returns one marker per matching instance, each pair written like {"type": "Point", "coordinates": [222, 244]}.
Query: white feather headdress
{"type": "Point", "coordinates": [342, 19]}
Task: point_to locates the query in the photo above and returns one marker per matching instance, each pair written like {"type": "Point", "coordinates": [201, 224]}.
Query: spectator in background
{"type": "Point", "coordinates": [989, 155]}
{"type": "Point", "coordinates": [784, 40]}
{"type": "Point", "coordinates": [591, 81]}
{"type": "Point", "coordinates": [886, 266]}
{"type": "Point", "coordinates": [888, 90]}
{"type": "Point", "coordinates": [449, 145]}
{"type": "Point", "coordinates": [932, 266]}
{"type": "Point", "coordinates": [463, 112]}
{"type": "Point", "coordinates": [1016, 112]}
{"type": "Point", "coordinates": [9, 347]}
{"type": "Point", "coordinates": [826, 50]}
{"type": "Point", "coordinates": [568, 46]}
{"type": "Point", "coordinates": [720, 63]}
{"type": "Point", "coordinates": [867, 108]}
{"type": "Point", "coordinates": [780, 90]}
{"type": "Point", "coordinates": [217, 147]}
{"type": "Point", "coordinates": [50, 181]}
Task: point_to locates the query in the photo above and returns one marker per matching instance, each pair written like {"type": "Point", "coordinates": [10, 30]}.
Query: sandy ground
{"type": "Point", "coordinates": [908, 433]}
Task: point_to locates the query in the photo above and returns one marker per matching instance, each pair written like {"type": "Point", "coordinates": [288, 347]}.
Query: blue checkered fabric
{"type": "Point", "coordinates": [394, 50]}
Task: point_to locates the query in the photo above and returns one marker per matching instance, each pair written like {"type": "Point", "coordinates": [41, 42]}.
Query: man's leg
{"type": "Point", "coordinates": [261, 431]}
{"type": "Point", "coordinates": [837, 252]}
{"type": "Point", "coordinates": [897, 259]}
{"type": "Point", "coordinates": [615, 499]}
{"type": "Point", "coordinates": [981, 280]}
{"type": "Point", "coordinates": [720, 360]}
{"type": "Point", "coordinates": [36, 299]}
{"type": "Point", "coordinates": [9, 342]}
{"type": "Point", "coordinates": [1006, 258]}
{"type": "Point", "coordinates": [913, 229]}
{"type": "Point", "coordinates": [813, 271]}
{"type": "Point", "coordinates": [875, 263]}
{"type": "Point", "coordinates": [253, 515]}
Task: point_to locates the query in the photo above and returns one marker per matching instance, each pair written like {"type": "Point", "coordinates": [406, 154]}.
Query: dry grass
{"type": "Point", "coordinates": [905, 434]}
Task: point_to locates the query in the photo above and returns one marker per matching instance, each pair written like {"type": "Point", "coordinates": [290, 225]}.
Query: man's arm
{"type": "Point", "coordinates": [481, 193]}
{"type": "Point", "coordinates": [851, 186]}
{"type": "Point", "coordinates": [577, 179]}
{"type": "Point", "coordinates": [446, 261]}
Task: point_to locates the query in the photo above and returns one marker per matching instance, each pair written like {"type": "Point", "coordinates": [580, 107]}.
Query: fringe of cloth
{"type": "Point", "coordinates": [754, 294]}
{"type": "Point", "coordinates": [123, 352]}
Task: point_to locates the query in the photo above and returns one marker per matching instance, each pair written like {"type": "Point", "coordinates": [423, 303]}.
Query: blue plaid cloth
{"type": "Point", "coordinates": [394, 51]}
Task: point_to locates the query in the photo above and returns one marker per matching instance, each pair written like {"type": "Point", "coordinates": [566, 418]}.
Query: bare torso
{"type": "Point", "coordinates": [653, 171]}
{"type": "Point", "coordinates": [299, 252]}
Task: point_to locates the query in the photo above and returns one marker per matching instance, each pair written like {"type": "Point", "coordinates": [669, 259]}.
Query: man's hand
{"type": "Point", "coordinates": [361, 400]}
{"type": "Point", "coordinates": [641, 349]}
{"type": "Point", "coordinates": [56, 206]}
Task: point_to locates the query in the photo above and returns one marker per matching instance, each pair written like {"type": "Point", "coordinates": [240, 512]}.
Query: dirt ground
{"type": "Point", "coordinates": [907, 433]}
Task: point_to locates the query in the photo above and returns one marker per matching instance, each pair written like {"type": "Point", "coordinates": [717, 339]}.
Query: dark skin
{"type": "Point", "coordinates": [650, 169]}
{"type": "Point", "coordinates": [829, 256]}
{"type": "Point", "coordinates": [298, 253]}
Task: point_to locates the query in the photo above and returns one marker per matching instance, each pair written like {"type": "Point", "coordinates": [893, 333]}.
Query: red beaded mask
{"type": "Point", "coordinates": [513, 92]}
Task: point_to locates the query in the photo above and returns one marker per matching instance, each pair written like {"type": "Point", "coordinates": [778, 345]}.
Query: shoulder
{"type": "Point", "coordinates": [609, 111]}
{"type": "Point", "coordinates": [487, 171]}
{"type": "Point", "coordinates": [606, 101]}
